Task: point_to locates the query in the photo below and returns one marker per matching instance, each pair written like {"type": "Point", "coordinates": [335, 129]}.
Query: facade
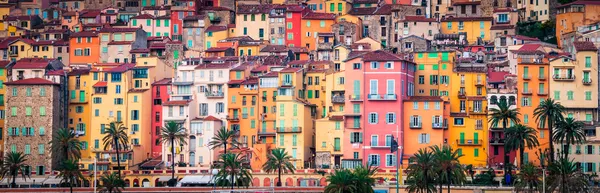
{"type": "Point", "coordinates": [254, 21]}
{"type": "Point", "coordinates": [80, 111]}
{"type": "Point", "coordinates": [425, 123]}
{"type": "Point", "coordinates": [476, 28]}
{"type": "Point", "coordinates": [85, 48]}
{"type": "Point", "coordinates": [160, 93]}
{"type": "Point", "coordinates": [572, 15]}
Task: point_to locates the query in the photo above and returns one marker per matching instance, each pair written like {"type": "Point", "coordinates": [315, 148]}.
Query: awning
{"type": "Point", "coordinates": [20, 181]}
{"type": "Point", "coordinates": [204, 179]}
{"type": "Point", "coordinates": [164, 178]}
{"type": "Point", "coordinates": [52, 180]}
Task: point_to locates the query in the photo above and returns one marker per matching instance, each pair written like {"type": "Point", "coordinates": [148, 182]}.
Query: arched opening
{"type": "Point", "coordinates": [503, 99]}
{"type": "Point", "coordinates": [289, 182]}
{"type": "Point", "coordinates": [192, 159]}
{"type": "Point", "coordinates": [323, 181]}
{"type": "Point", "coordinates": [136, 183]}
{"type": "Point", "coordinates": [512, 100]}
{"type": "Point", "coordinates": [157, 183]}
{"type": "Point", "coordinates": [418, 12]}
{"type": "Point", "coordinates": [493, 100]}
{"type": "Point", "coordinates": [299, 182]}
{"type": "Point", "coordinates": [255, 182]}
{"type": "Point", "coordinates": [145, 182]}
{"type": "Point", "coordinates": [127, 183]}
{"type": "Point", "coordinates": [267, 182]}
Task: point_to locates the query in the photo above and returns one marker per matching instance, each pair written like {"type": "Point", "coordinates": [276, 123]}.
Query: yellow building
{"type": "Point", "coordinates": [124, 90]}
{"type": "Point", "coordinates": [3, 79]}
{"type": "Point", "coordinates": [475, 27]}
{"type": "Point", "coordinates": [295, 131]}
{"type": "Point", "coordinates": [339, 7]}
{"type": "Point", "coordinates": [80, 114]}
{"type": "Point", "coordinates": [432, 77]}
{"type": "Point", "coordinates": [21, 49]}
{"type": "Point", "coordinates": [213, 34]}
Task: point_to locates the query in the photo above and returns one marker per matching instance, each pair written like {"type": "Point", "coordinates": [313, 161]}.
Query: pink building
{"type": "Point", "coordinates": [377, 82]}
{"type": "Point", "coordinates": [160, 94]}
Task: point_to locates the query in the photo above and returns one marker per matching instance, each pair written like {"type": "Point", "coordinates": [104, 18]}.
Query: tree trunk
{"type": "Point", "coordinates": [118, 158]}
{"type": "Point", "coordinates": [550, 132]}
{"type": "Point", "coordinates": [426, 186]}
{"type": "Point", "coordinates": [521, 152]}
{"type": "Point", "coordinates": [13, 184]}
{"type": "Point", "coordinates": [71, 185]}
{"type": "Point", "coordinates": [449, 180]}
{"type": "Point", "coordinates": [225, 147]}
{"type": "Point", "coordinates": [172, 159]}
{"type": "Point", "coordinates": [566, 151]}
{"type": "Point", "coordinates": [279, 177]}
{"type": "Point", "coordinates": [232, 177]}
{"type": "Point", "coordinates": [66, 149]}
{"type": "Point", "coordinates": [506, 153]}
{"type": "Point", "coordinates": [441, 182]}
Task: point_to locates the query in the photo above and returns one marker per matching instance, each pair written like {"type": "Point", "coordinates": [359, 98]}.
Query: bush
{"type": "Point", "coordinates": [181, 164]}
{"type": "Point", "coordinates": [172, 182]}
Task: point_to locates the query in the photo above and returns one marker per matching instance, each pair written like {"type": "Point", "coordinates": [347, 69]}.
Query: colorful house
{"type": "Point", "coordinates": [160, 93]}
{"type": "Point", "coordinates": [80, 110]}
{"type": "Point", "coordinates": [84, 47]}
{"type": "Point", "coordinates": [312, 24]}
{"type": "Point", "coordinates": [475, 27]}
{"type": "Point", "coordinates": [293, 25]}
{"type": "Point", "coordinates": [254, 21]}
{"type": "Point", "coordinates": [425, 122]}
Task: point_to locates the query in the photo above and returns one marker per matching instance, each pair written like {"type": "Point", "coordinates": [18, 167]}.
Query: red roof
{"type": "Point", "coordinates": [254, 9]}
{"type": "Point", "coordinates": [235, 82]}
{"type": "Point", "coordinates": [584, 46]}
{"type": "Point", "coordinates": [32, 63]}
{"type": "Point", "coordinates": [211, 118]}
{"type": "Point", "coordinates": [116, 29]}
{"type": "Point", "coordinates": [85, 34]}
{"type": "Point", "coordinates": [89, 13]}
{"type": "Point", "coordinates": [584, 2]}
{"type": "Point", "coordinates": [270, 74]}
{"type": "Point", "coordinates": [294, 8]}
{"type": "Point", "coordinates": [216, 28]}
{"type": "Point", "coordinates": [502, 27]}
{"type": "Point", "coordinates": [165, 81]}
{"type": "Point", "coordinates": [100, 84]}
{"type": "Point", "coordinates": [522, 37]}
{"type": "Point", "coordinates": [143, 16]}
{"type": "Point", "coordinates": [56, 73]}
{"type": "Point", "coordinates": [120, 43]}
{"type": "Point", "coordinates": [4, 63]}
{"type": "Point", "coordinates": [466, 3]}
{"type": "Point", "coordinates": [467, 19]}
{"type": "Point", "coordinates": [123, 67]}
{"type": "Point", "coordinates": [319, 16]}
{"type": "Point", "coordinates": [261, 68]}
{"type": "Point", "coordinates": [380, 55]}
{"type": "Point", "coordinates": [31, 81]}
{"type": "Point", "coordinates": [496, 76]}
{"type": "Point", "coordinates": [529, 47]}
{"type": "Point", "coordinates": [137, 51]}
{"type": "Point", "coordinates": [418, 19]}
{"type": "Point", "coordinates": [290, 70]}
{"type": "Point", "coordinates": [216, 49]}
{"type": "Point", "coordinates": [176, 103]}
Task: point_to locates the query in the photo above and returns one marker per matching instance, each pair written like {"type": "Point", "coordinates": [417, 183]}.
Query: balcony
{"type": "Point", "coordinates": [439, 125]}
{"type": "Point", "coordinates": [415, 125]}
{"type": "Point", "coordinates": [526, 77]}
{"type": "Point", "coordinates": [532, 60]}
{"type": "Point", "coordinates": [266, 134]}
{"type": "Point", "coordinates": [496, 141]}
{"type": "Point", "coordinates": [353, 114]}
{"type": "Point", "coordinates": [542, 93]}
{"type": "Point", "coordinates": [479, 83]}
{"type": "Point", "coordinates": [386, 97]}
{"type": "Point", "coordinates": [587, 81]}
{"type": "Point", "coordinates": [286, 84]}
{"type": "Point", "coordinates": [542, 77]}
{"type": "Point", "coordinates": [478, 111]}
{"type": "Point", "coordinates": [469, 142]}
{"type": "Point", "coordinates": [325, 46]}
{"type": "Point", "coordinates": [340, 99]}
{"type": "Point", "coordinates": [563, 77]}
{"type": "Point", "coordinates": [215, 94]}
{"type": "Point", "coordinates": [462, 95]}
{"type": "Point", "coordinates": [526, 92]}
{"type": "Point", "coordinates": [355, 98]}
{"type": "Point", "coordinates": [233, 118]}
{"type": "Point", "coordinates": [289, 129]}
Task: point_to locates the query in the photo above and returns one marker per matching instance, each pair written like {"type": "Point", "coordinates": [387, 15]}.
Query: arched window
{"type": "Point", "coordinates": [494, 100]}
{"type": "Point", "coordinates": [418, 11]}
{"type": "Point", "coordinates": [512, 100]}
{"type": "Point", "coordinates": [503, 99]}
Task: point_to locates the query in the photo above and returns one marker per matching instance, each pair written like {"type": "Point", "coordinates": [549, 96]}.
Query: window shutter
{"type": "Point", "coordinates": [593, 149]}
{"type": "Point", "coordinates": [32, 132]}
{"type": "Point", "coordinates": [584, 166]}
{"type": "Point", "coordinates": [394, 160]}
{"type": "Point", "coordinates": [419, 139]}
{"type": "Point", "coordinates": [360, 137]}
{"type": "Point", "coordinates": [593, 167]}
{"type": "Point", "coordinates": [24, 131]}
{"type": "Point", "coordinates": [351, 138]}
{"type": "Point", "coordinates": [370, 161]}
{"type": "Point", "coordinates": [428, 135]}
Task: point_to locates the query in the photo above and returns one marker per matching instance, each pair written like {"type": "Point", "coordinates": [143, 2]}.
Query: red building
{"type": "Point", "coordinates": [293, 25]}
{"type": "Point", "coordinates": [180, 10]}
{"type": "Point", "coordinates": [160, 94]}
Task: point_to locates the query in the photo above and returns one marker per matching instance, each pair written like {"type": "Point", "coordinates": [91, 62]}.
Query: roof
{"type": "Point", "coordinates": [165, 81]}
{"type": "Point", "coordinates": [418, 19]}
{"type": "Point", "coordinates": [529, 49]}
{"type": "Point", "coordinates": [290, 70]}
{"type": "Point", "coordinates": [504, 9]}
{"type": "Point", "coordinates": [271, 74]}
{"type": "Point", "coordinates": [467, 19]}
{"type": "Point", "coordinates": [100, 84]}
{"type": "Point", "coordinates": [193, 17]}
{"type": "Point", "coordinates": [466, 3]}
{"type": "Point", "coordinates": [142, 16]}
{"type": "Point", "coordinates": [380, 55]}
{"type": "Point", "coordinates": [20, 18]}
{"type": "Point", "coordinates": [584, 46]}
{"type": "Point", "coordinates": [213, 66]}
{"type": "Point", "coordinates": [32, 63]}
{"type": "Point", "coordinates": [584, 2]}
{"type": "Point", "coordinates": [137, 90]}
{"type": "Point", "coordinates": [216, 28]}
{"type": "Point", "coordinates": [253, 9]}
{"type": "Point", "coordinates": [4, 63]}
{"type": "Point", "coordinates": [261, 68]}
{"type": "Point", "coordinates": [120, 43]}
{"type": "Point", "coordinates": [382, 10]}
{"type": "Point", "coordinates": [235, 82]}
{"type": "Point", "coordinates": [176, 103]}
{"type": "Point", "coordinates": [81, 71]}
{"type": "Point", "coordinates": [251, 80]}
{"type": "Point", "coordinates": [116, 29]}
{"type": "Point", "coordinates": [85, 34]}
{"type": "Point", "coordinates": [211, 118]}
{"type": "Point", "coordinates": [134, 51]}
{"type": "Point", "coordinates": [294, 8]}
{"type": "Point", "coordinates": [364, 1]}
{"type": "Point", "coordinates": [319, 16]}
{"type": "Point", "coordinates": [502, 27]}
{"type": "Point", "coordinates": [31, 81]}
{"type": "Point", "coordinates": [336, 118]}
{"type": "Point", "coordinates": [122, 68]}
{"type": "Point", "coordinates": [274, 48]}
{"type": "Point", "coordinates": [217, 49]}
{"type": "Point", "coordinates": [494, 76]}
{"type": "Point", "coordinates": [89, 13]}
{"type": "Point", "coordinates": [162, 7]}
{"type": "Point", "coordinates": [522, 37]}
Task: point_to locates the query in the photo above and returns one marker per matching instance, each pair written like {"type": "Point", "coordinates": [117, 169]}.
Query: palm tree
{"type": "Point", "coordinates": [528, 178]}
{"type": "Point", "coordinates": [111, 183]}
{"type": "Point", "coordinates": [234, 166]}
{"type": "Point", "coordinates": [70, 173]}
{"type": "Point", "coordinates": [279, 160]}
{"type": "Point", "coordinates": [65, 143]}
{"type": "Point", "coordinates": [358, 181]}
{"type": "Point", "coordinates": [447, 166]}
{"type": "Point", "coordinates": [569, 131]}
{"type": "Point", "coordinates": [13, 164]}
{"type": "Point", "coordinates": [116, 137]}
{"type": "Point", "coordinates": [421, 172]}
{"type": "Point", "coordinates": [519, 137]}
{"type": "Point", "coordinates": [549, 112]}
{"type": "Point", "coordinates": [222, 138]}
{"type": "Point", "coordinates": [341, 181]}
{"type": "Point", "coordinates": [503, 115]}
{"type": "Point", "coordinates": [566, 177]}
{"type": "Point", "coordinates": [173, 133]}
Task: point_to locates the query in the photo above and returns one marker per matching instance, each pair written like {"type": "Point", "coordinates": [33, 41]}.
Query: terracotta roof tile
{"type": "Point", "coordinates": [583, 2]}
{"type": "Point", "coordinates": [496, 77]}
{"type": "Point", "coordinates": [56, 72]}
{"type": "Point", "coordinates": [380, 55]}
{"type": "Point", "coordinates": [467, 2]}
{"type": "Point", "coordinates": [4, 63]}
{"type": "Point", "coordinates": [274, 48]}
{"type": "Point", "coordinates": [467, 19]}
{"type": "Point", "coordinates": [261, 68]}
{"type": "Point", "coordinates": [217, 49]}
{"type": "Point", "coordinates": [143, 16]}
{"type": "Point", "coordinates": [235, 82]}
{"type": "Point", "coordinates": [137, 90]}
{"type": "Point", "coordinates": [122, 68]}
{"type": "Point", "coordinates": [216, 28]}
{"type": "Point", "coordinates": [162, 7]}
{"type": "Point", "coordinates": [165, 81]}
{"type": "Point", "coordinates": [584, 46]}
{"type": "Point", "coordinates": [336, 118]}
{"type": "Point", "coordinates": [211, 118]}
{"type": "Point", "coordinates": [31, 81]}
{"type": "Point", "coordinates": [319, 16]}
{"type": "Point", "coordinates": [502, 27]}
{"type": "Point", "coordinates": [101, 84]}
{"type": "Point", "coordinates": [84, 34]}
{"type": "Point", "coordinates": [254, 9]}
{"type": "Point", "coordinates": [120, 43]}
{"type": "Point", "coordinates": [20, 18]}
{"type": "Point", "coordinates": [32, 63]}
{"type": "Point", "coordinates": [118, 29]}
{"type": "Point", "coordinates": [522, 37]}
{"type": "Point", "coordinates": [270, 74]}
{"type": "Point", "coordinates": [139, 51]}
{"type": "Point", "coordinates": [291, 70]}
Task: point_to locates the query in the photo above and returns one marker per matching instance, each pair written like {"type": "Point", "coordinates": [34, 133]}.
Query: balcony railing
{"type": "Point", "coordinates": [325, 46]}
{"type": "Point", "coordinates": [542, 77]}
{"type": "Point", "coordinates": [587, 81]}
{"type": "Point", "coordinates": [526, 91]}
{"type": "Point", "coordinates": [462, 95]}
{"type": "Point", "coordinates": [233, 118]}
{"type": "Point", "coordinates": [565, 77]}
{"type": "Point", "coordinates": [439, 125]}
{"type": "Point", "coordinates": [382, 97]}
{"type": "Point", "coordinates": [215, 94]}
{"type": "Point", "coordinates": [289, 129]}
{"type": "Point", "coordinates": [526, 77]}
{"type": "Point", "coordinates": [244, 115]}
{"type": "Point", "coordinates": [355, 98]}
{"type": "Point", "coordinates": [542, 92]}
{"type": "Point", "coordinates": [496, 141]}
{"type": "Point", "coordinates": [415, 125]}
{"type": "Point", "coordinates": [469, 142]}
{"type": "Point", "coordinates": [338, 99]}
{"type": "Point", "coordinates": [481, 110]}
{"type": "Point", "coordinates": [285, 83]}
{"type": "Point", "coordinates": [266, 133]}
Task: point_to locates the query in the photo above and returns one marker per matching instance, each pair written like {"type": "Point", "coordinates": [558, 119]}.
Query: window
{"type": "Point", "coordinates": [373, 118]}
{"type": "Point", "coordinates": [356, 66]}
{"type": "Point", "coordinates": [459, 121]}
{"type": "Point", "coordinates": [374, 160]}
{"type": "Point", "coordinates": [390, 160]}
{"type": "Point", "coordinates": [588, 62]}
{"type": "Point", "coordinates": [374, 140]}
{"type": "Point", "coordinates": [390, 118]}
{"type": "Point", "coordinates": [570, 95]}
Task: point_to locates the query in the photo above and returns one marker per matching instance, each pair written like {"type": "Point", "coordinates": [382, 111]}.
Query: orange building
{"type": "Point", "coordinates": [314, 23]}
{"type": "Point", "coordinates": [573, 15]}
{"type": "Point", "coordinates": [532, 86]}
{"type": "Point", "coordinates": [85, 47]}
{"type": "Point", "coordinates": [426, 118]}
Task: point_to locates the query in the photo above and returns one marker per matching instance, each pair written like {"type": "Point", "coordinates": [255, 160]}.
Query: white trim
{"type": "Point", "coordinates": [387, 84]}
{"type": "Point", "coordinates": [371, 86]}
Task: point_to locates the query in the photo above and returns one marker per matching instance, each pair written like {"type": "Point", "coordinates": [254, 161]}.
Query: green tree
{"type": "Point", "coordinates": [116, 136]}
{"type": "Point", "coordinates": [569, 131]}
{"type": "Point", "coordinates": [547, 113]}
{"type": "Point", "coordinates": [222, 138]}
{"type": "Point", "coordinates": [566, 177]}
{"type": "Point", "coordinates": [421, 173]}
{"type": "Point", "coordinates": [65, 143]}
{"type": "Point", "coordinates": [528, 179]}
{"type": "Point", "coordinates": [504, 115]}
{"type": "Point", "coordinates": [13, 164]}
{"type": "Point", "coordinates": [279, 160]}
{"type": "Point", "coordinates": [173, 133]}
{"type": "Point", "coordinates": [519, 137]}
{"type": "Point", "coordinates": [447, 166]}
{"type": "Point", "coordinates": [111, 183]}
{"type": "Point", "coordinates": [360, 180]}
{"type": "Point", "coordinates": [234, 166]}
{"type": "Point", "coordinates": [70, 173]}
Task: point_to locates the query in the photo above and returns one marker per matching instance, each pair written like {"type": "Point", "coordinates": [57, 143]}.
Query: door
{"type": "Point", "coordinates": [337, 161]}
{"type": "Point", "coordinates": [192, 159]}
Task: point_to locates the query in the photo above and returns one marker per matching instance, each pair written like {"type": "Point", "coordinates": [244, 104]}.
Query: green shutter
{"type": "Point", "coordinates": [462, 138]}
{"type": "Point", "coordinates": [476, 138]}
{"type": "Point", "coordinates": [476, 152]}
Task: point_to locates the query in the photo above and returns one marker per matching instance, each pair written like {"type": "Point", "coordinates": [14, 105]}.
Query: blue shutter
{"type": "Point", "coordinates": [32, 132]}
